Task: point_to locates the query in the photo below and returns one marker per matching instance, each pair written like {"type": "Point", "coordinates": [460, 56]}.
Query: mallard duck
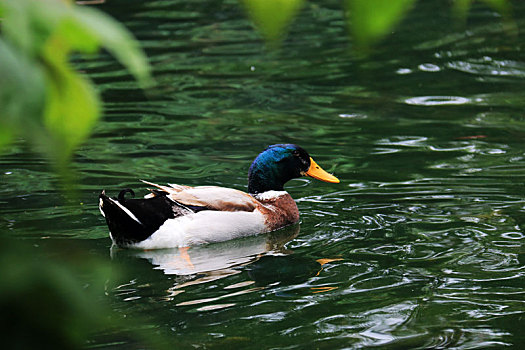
{"type": "Point", "coordinates": [181, 216]}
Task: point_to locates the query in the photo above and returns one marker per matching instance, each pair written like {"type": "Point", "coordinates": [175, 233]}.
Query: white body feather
{"type": "Point", "coordinates": [204, 227]}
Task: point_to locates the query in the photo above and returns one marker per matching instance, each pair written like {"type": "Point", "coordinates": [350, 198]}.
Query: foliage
{"type": "Point", "coordinates": [42, 98]}
{"type": "Point", "coordinates": [56, 300]}
{"type": "Point", "coordinates": [43, 303]}
{"type": "Point", "coordinates": [461, 7]}
{"type": "Point", "coordinates": [272, 17]}
{"type": "Point", "coordinates": [368, 24]}
{"type": "Point", "coordinates": [367, 20]}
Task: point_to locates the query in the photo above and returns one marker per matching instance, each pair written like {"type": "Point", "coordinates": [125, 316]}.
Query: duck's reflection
{"type": "Point", "coordinates": [264, 258]}
{"type": "Point", "coordinates": [213, 259]}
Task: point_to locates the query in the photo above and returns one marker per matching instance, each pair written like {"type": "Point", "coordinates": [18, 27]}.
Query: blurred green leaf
{"type": "Point", "coordinates": [371, 20]}
{"type": "Point", "coordinates": [22, 93]}
{"type": "Point", "coordinates": [58, 296]}
{"type": "Point", "coordinates": [72, 106]}
{"type": "Point", "coordinates": [498, 5]}
{"type": "Point", "coordinates": [462, 7]}
{"type": "Point", "coordinates": [44, 303]}
{"type": "Point", "coordinates": [28, 23]}
{"type": "Point", "coordinates": [272, 17]}
{"type": "Point", "coordinates": [42, 98]}
{"type": "Point", "coordinates": [6, 135]}
{"type": "Point", "coordinates": [117, 40]}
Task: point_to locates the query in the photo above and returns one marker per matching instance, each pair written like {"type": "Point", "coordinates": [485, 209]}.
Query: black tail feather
{"type": "Point", "coordinates": [122, 193]}
{"type": "Point", "coordinates": [140, 218]}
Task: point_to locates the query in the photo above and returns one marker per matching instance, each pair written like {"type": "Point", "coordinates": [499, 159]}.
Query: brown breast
{"type": "Point", "coordinates": [279, 211]}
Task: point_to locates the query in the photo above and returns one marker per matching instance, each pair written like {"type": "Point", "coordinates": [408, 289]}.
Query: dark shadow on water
{"type": "Point", "coordinates": [284, 269]}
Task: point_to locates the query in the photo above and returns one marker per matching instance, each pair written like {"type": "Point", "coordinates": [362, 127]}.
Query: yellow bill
{"type": "Point", "coordinates": [318, 173]}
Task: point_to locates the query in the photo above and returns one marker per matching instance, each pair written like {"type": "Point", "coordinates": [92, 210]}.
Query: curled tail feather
{"type": "Point", "coordinates": [133, 220]}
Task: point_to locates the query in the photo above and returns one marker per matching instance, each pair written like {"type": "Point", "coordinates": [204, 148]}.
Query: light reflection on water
{"type": "Point", "coordinates": [437, 100]}
{"type": "Point", "coordinates": [421, 244]}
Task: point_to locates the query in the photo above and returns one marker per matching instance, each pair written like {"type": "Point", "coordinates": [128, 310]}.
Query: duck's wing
{"type": "Point", "coordinates": [168, 189]}
{"type": "Point", "coordinates": [209, 197]}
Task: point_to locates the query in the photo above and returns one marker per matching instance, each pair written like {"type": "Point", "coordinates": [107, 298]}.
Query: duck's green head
{"type": "Point", "coordinates": [280, 163]}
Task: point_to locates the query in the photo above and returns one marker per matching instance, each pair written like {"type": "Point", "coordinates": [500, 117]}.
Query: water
{"type": "Point", "coordinates": [420, 246]}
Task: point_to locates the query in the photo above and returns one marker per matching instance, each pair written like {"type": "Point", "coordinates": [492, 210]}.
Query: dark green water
{"type": "Point", "coordinates": [419, 246]}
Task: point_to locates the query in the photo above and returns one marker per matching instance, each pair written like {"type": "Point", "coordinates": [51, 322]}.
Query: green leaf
{"type": "Point", "coordinates": [41, 97]}
{"type": "Point", "coordinates": [29, 24]}
{"type": "Point", "coordinates": [502, 6]}
{"type": "Point", "coordinates": [72, 107]}
{"type": "Point", "coordinates": [461, 7]}
{"type": "Point", "coordinates": [371, 20]}
{"type": "Point", "coordinates": [77, 37]}
{"type": "Point", "coordinates": [116, 39]}
{"type": "Point", "coordinates": [272, 17]}
{"type": "Point", "coordinates": [6, 136]}
{"type": "Point", "coordinates": [22, 91]}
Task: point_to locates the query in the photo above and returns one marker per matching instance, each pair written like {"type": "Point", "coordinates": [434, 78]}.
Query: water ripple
{"type": "Point", "coordinates": [419, 246]}
{"type": "Point", "coordinates": [489, 66]}
{"type": "Point", "coordinates": [438, 100]}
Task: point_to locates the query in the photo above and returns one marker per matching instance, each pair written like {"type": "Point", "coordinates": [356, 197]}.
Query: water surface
{"type": "Point", "coordinates": [419, 246]}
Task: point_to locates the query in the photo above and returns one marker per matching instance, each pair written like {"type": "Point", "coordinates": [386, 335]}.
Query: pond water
{"type": "Point", "coordinates": [419, 246]}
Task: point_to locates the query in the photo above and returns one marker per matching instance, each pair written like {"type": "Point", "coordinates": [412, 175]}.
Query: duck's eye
{"type": "Point", "coordinates": [295, 153]}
